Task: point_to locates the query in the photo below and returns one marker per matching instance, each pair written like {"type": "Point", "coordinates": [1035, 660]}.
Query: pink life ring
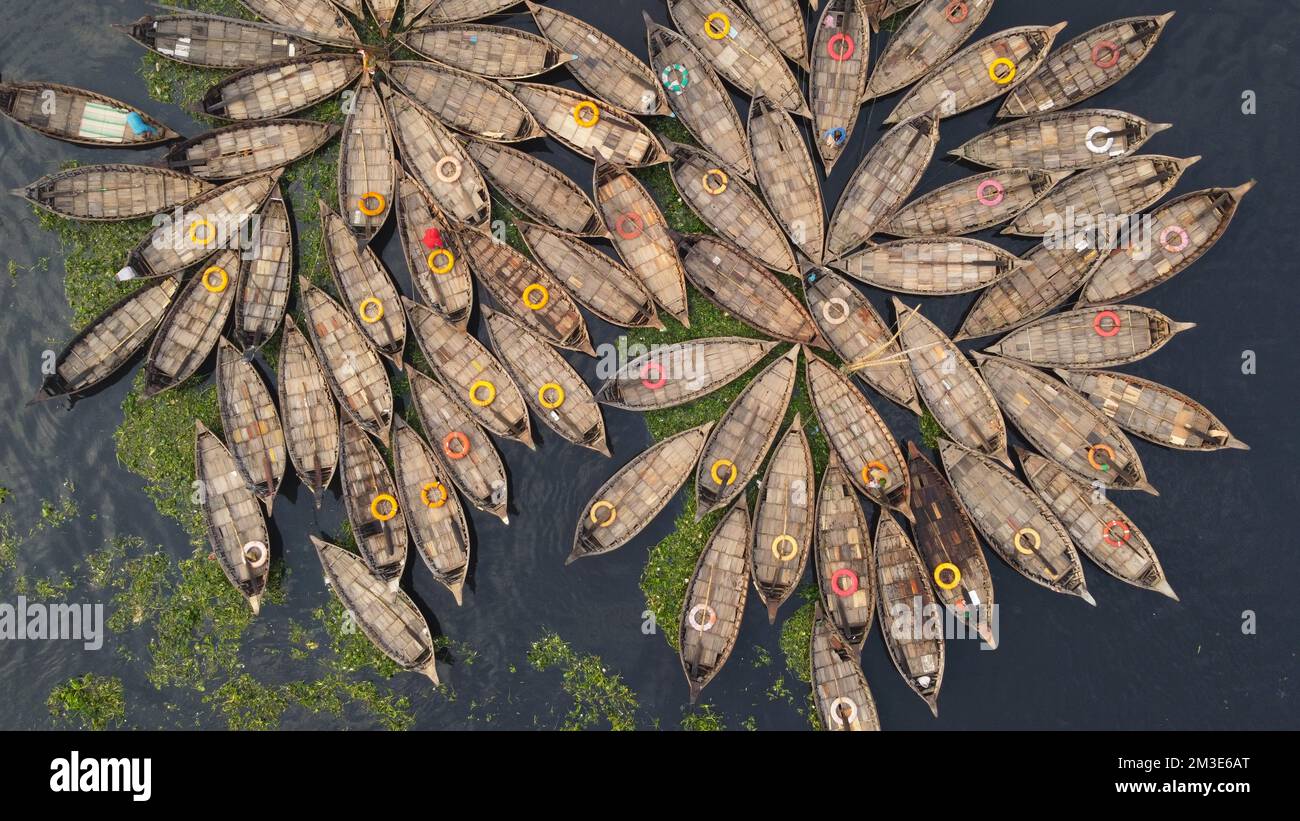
{"type": "Point", "coordinates": [1183, 239]}
{"type": "Point", "coordinates": [658, 371]}
{"type": "Point", "coordinates": [999, 193]}
{"type": "Point", "coordinates": [1105, 47]}
{"type": "Point", "coordinates": [840, 590]}
{"type": "Point", "coordinates": [843, 53]}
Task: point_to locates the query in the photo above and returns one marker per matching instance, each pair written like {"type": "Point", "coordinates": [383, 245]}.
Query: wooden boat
{"type": "Point", "coordinates": [432, 509]}
{"type": "Point", "coordinates": [384, 12]}
{"type": "Point", "coordinates": [1064, 426]}
{"type": "Point", "coordinates": [311, 422]}
{"type": "Point", "coordinates": [882, 182]}
{"type": "Point", "coordinates": [838, 76]}
{"type": "Point", "coordinates": [1014, 521]}
{"type": "Point", "coordinates": [355, 7]}
{"type": "Point", "coordinates": [784, 520]}
{"type": "Point", "coordinates": [636, 494]}
{"type": "Point", "coordinates": [1100, 337]}
{"type": "Point", "coordinates": [858, 437]}
{"type": "Point", "coordinates": [880, 10]}
{"type": "Point", "coordinates": [365, 286]}
{"type": "Point", "coordinates": [595, 280]}
{"type": "Point", "coordinates": [251, 423]}
{"type": "Point", "coordinates": [600, 64]}
{"type": "Point", "coordinates": [232, 518]}
{"type": "Point", "coordinates": [193, 322]}
{"type": "Point", "coordinates": [587, 126]}
{"type": "Point", "coordinates": [551, 387]}
{"type": "Point", "coordinates": [927, 38]}
{"type": "Point", "coordinates": [427, 244]}
{"type": "Point", "coordinates": [740, 285]}
{"type": "Point", "coordinates": [971, 204]}
{"type": "Point", "coordinates": [903, 592]}
{"type": "Point", "coordinates": [670, 375]}
{"type": "Point", "coordinates": [216, 219]}
{"type": "Point", "coordinates": [1086, 65]}
{"type": "Point", "coordinates": [953, 391]}
{"type": "Point", "coordinates": [368, 169]}
{"type": "Point", "coordinates": [355, 372]}
{"type": "Point", "coordinates": [949, 549]}
{"type": "Point", "coordinates": [697, 97]}
{"type": "Point", "coordinates": [642, 237]}
{"type": "Point", "coordinates": [370, 497]}
{"type": "Point", "coordinates": [979, 73]}
{"type": "Point", "coordinates": [1182, 231]}
{"type": "Point", "coordinates": [242, 149]}
{"type": "Point", "coordinates": [539, 190]}
{"type": "Point", "coordinates": [738, 50]}
{"type": "Point", "coordinates": [738, 445]}
{"type": "Point", "coordinates": [265, 276]}
{"type": "Point", "coordinates": [317, 20]}
{"type": "Point", "coordinates": [1152, 411]}
{"type": "Point", "coordinates": [1097, 526]}
{"type": "Point", "coordinates": [859, 336]}
{"type": "Point", "coordinates": [1118, 189]}
{"type": "Point", "coordinates": [524, 289]}
{"type": "Point", "coordinates": [109, 341]}
{"type": "Point", "coordinates": [498, 52]}
{"type": "Point", "coordinates": [846, 567]}
{"type": "Point", "coordinates": [437, 160]}
{"type": "Point", "coordinates": [787, 177]}
{"type": "Point", "coordinates": [215, 42]}
{"type": "Point", "coordinates": [78, 116]}
{"type": "Point", "coordinates": [1045, 278]}
{"type": "Point", "coordinates": [101, 193]}
{"type": "Point", "coordinates": [472, 375]}
{"type": "Point", "coordinates": [840, 690]}
{"type": "Point", "coordinates": [1061, 141]}
{"type": "Point", "coordinates": [782, 22]}
{"type": "Point", "coordinates": [464, 101]}
{"type": "Point", "coordinates": [281, 88]}
{"type": "Point", "coordinates": [930, 266]}
{"type": "Point", "coordinates": [462, 447]}
{"type": "Point", "coordinates": [457, 11]}
{"type": "Point", "coordinates": [715, 600]}
{"type": "Point", "coordinates": [732, 210]}
{"type": "Point", "coordinates": [388, 618]}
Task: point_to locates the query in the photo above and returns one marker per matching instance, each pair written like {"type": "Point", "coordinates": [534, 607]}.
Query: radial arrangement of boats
{"type": "Point", "coordinates": [428, 143]}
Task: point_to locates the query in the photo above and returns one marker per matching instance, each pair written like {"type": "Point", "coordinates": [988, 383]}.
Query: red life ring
{"type": "Point", "coordinates": [658, 371]}
{"type": "Point", "coordinates": [1098, 326]}
{"type": "Point", "coordinates": [841, 591]}
{"type": "Point", "coordinates": [957, 12]}
{"type": "Point", "coordinates": [1109, 529]}
{"type": "Point", "coordinates": [1105, 47]}
{"type": "Point", "coordinates": [638, 225]}
{"type": "Point", "coordinates": [843, 53]}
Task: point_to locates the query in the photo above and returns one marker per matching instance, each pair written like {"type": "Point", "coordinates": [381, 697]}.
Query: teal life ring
{"type": "Point", "coordinates": [675, 84]}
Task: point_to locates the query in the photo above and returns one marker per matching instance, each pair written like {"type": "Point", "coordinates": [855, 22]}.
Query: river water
{"type": "Point", "coordinates": [1223, 526]}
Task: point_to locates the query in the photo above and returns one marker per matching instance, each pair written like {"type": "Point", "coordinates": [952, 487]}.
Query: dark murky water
{"type": "Point", "coordinates": [1136, 661]}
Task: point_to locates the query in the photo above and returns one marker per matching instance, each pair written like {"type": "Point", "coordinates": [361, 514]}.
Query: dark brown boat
{"type": "Point", "coordinates": [928, 37]}
{"type": "Point", "coordinates": [251, 423]}
{"type": "Point", "coordinates": [317, 20]}
{"type": "Point", "coordinates": [1152, 411]}
{"type": "Point", "coordinates": [242, 149]}
{"type": "Point", "coordinates": [78, 116]}
{"type": "Point", "coordinates": [215, 42]}
{"type": "Point", "coordinates": [636, 494]}
{"type": "Point", "coordinates": [784, 520]}
{"type": "Point", "coordinates": [840, 690]}
{"type": "Point", "coordinates": [498, 52]}
{"type": "Point", "coordinates": [384, 12]}
{"type": "Point", "coordinates": [971, 204]}
{"type": "Point", "coordinates": [281, 88]}
{"type": "Point", "coordinates": [193, 322]}
{"type": "Point", "coordinates": [930, 266]}
{"type": "Point", "coordinates": [464, 101]}
{"type": "Point", "coordinates": [365, 286]}
{"type": "Point", "coordinates": [370, 497]}
{"type": "Point", "coordinates": [232, 518]}
{"type": "Point", "coordinates": [265, 276]}
{"type": "Point", "coordinates": [1100, 337]}
{"type": "Point", "coordinates": [787, 176]}
{"type": "Point", "coordinates": [441, 276]}
{"type": "Point", "coordinates": [432, 510]}
{"type": "Point", "coordinates": [542, 192]}
{"type": "Point", "coordinates": [1046, 277]}
{"type": "Point", "coordinates": [715, 600]}
{"type": "Point", "coordinates": [311, 421]}
{"type": "Point", "coordinates": [846, 567]}
{"type": "Point", "coordinates": [102, 193]}
{"type": "Point", "coordinates": [838, 76]}
{"type": "Point", "coordinates": [368, 170]}
{"type": "Point", "coordinates": [587, 126]}
{"type": "Point", "coordinates": [1061, 141]}
{"type": "Point", "coordinates": [108, 341]}
{"type": "Point", "coordinates": [670, 375]}
{"type": "Point", "coordinates": [903, 593]}
{"type": "Point", "coordinates": [782, 22]}
{"type": "Point", "coordinates": [738, 445]}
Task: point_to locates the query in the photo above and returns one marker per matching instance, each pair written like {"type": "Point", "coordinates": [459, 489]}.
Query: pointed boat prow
{"type": "Point", "coordinates": [431, 670]}
{"type": "Point", "coordinates": [1086, 596]}
{"type": "Point", "coordinates": [1236, 444]}
{"type": "Point", "coordinates": [1166, 17]}
{"type": "Point", "coordinates": [1243, 189]}
{"type": "Point", "coordinates": [1164, 589]}
{"type": "Point", "coordinates": [986, 635]}
{"type": "Point", "coordinates": [572, 557]}
{"type": "Point", "coordinates": [255, 602]}
{"type": "Point", "coordinates": [1057, 29]}
{"type": "Point", "coordinates": [1147, 487]}
{"type": "Point", "coordinates": [772, 607]}
{"type": "Point", "coordinates": [458, 593]}
{"type": "Point", "coordinates": [933, 704]}
{"type": "Point", "coordinates": [1156, 128]}
{"type": "Point", "coordinates": [696, 689]}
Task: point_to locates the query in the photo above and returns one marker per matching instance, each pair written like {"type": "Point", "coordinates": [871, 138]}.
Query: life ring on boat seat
{"type": "Point", "coordinates": [836, 136]}
{"type": "Point", "coordinates": [208, 233]}
{"type": "Point", "coordinates": [952, 583]}
{"type": "Point", "coordinates": [1092, 456]}
{"type": "Point", "coordinates": [678, 83]}
{"type": "Point", "coordinates": [364, 310]}
{"type": "Point", "coordinates": [1109, 529]}
{"type": "Point", "coordinates": [638, 225]}
{"type": "Point", "coordinates": [442, 494]}
{"type": "Point", "coordinates": [222, 282]}
{"type": "Point", "coordinates": [844, 52]}
{"type": "Point", "coordinates": [1002, 62]}
{"type": "Point", "coordinates": [994, 199]}
{"type": "Point", "coordinates": [716, 33]}
{"type": "Point", "coordinates": [1104, 330]}
{"type": "Point", "coordinates": [834, 710]}
{"type": "Point", "coordinates": [1090, 142]}
{"type": "Point", "coordinates": [586, 114]}
{"type": "Point", "coordinates": [658, 371]}
{"type": "Point", "coordinates": [377, 198]}
{"type": "Point", "coordinates": [458, 438]}
{"type": "Point", "coordinates": [447, 176]}
{"type": "Point", "coordinates": [1108, 48]}
{"type": "Point", "coordinates": [603, 505]}
{"type": "Point", "coordinates": [543, 296]}
{"type": "Point", "coordinates": [722, 177]}
{"type": "Point", "coordinates": [387, 499]}
{"type": "Point", "coordinates": [869, 474]}
{"type": "Point", "coordinates": [1179, 231]}
{"type": "Point", "coordinates": [1032, 535]}
{"type": "Point", "coordinates": [731, 472]}
{"type": "Point", "coordinates": [550, 388]}
{"type": "Point", "coordinates": [837, 302]}
{"type": "Point", "coordinates": [785, 538]}
{"type": "Point", "coordinates": [482, 385]}
{"type": "Point", "coordinates": [443, 253]}
{"type": "Point", "coordinates": [840, 590]}
{"type": "Point", "coordinates": [256, 554]}
{"type": "Point", "coordinates": [693, 619]}
{"type": "Point", "coordinates": [957, 12]}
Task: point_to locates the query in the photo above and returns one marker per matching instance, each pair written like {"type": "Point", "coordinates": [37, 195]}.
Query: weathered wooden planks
{"type": "Point", "coordinates": [365, 286]}
{"type": "Point", "coordinates": [441, 277]}
{"type": "Point", "coordinates": [265, 276]}
{"type": "Point", "coordinates": [588, 127]}
{"type": "Point", "coordinates": [466, 102]}
{"type": "Point", "coordinates": [317, 20]}
{"type": "Point", "coordinates": [971, 204]}
{"type": "Point", "coordinates": [432, 510]}
{"type": "Point", "coordinates": [784, 520]}
{"type": "Point", "coordinates": [1100, 337]}
{"type": "Point", "coordinates": [715, 600]}
{"type": "Point", "coordinates": [251, 423]}
{"type": "Point", "coordinates": [311, 421]}
{"type": "Point", "coordinates": [370, 497]}
{"type": "Point", "coordinates": [1045, 278]}
{"type": "Point", "coordinates": [112, 191]}
{"type": "Point", "coordinates": [935, 266]}
{"type": "Point", "coordinates": [670, 375]}
{"type": "Point", "coordinates": [281, 88]}
{"type": "Point", "coordinates": [232, 518]}
{"type": "Point", "coordinates": [601, 64]}
{"type": "Point", "coordinates": [928, 37]}
{"type": "Point", "coordinates": [242, 149]}
{"type": "Point", "coordinates": [1061, 141]}
{"type": "Point", "coordinates": [79, 116]}
{"type": "Point", "coordinates": [903, 593]}
{"type": "Point", "coordinates": [368, 168]}
{"type": "Point", "coordinates": [840, 689]}
{"type": "Point", "coordinates": [838, 76]}
{"type": "Point", "coordinates": [215, 42]}
{"type": "Point", "coordinates": [193, 322]}
{"type": "Point", "coordinates": [538, 189]}
{"type": "Point", "coordinates": [787, 177]}
{"type": "Point", "coordinates": [846, 565]}
{"type": "Point", "coordinates": [498, 52]}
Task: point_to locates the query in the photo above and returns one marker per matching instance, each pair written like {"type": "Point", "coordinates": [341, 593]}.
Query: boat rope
{"type": "Point", "coordinates": [872, 356]}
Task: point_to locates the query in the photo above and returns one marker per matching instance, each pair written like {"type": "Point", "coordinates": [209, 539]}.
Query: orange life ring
{"type": "Point", "coordinates": [957, 12]}
{"type": "Point", "coordinates": [1109, 529]}
{"type": "Point", "coordinates": [868, 474]}
{"type": "Point", "coordinates": [1092, 456]}
{"type": "Point", "coordinates": [458, 438]}
{"type": "Point", "coordinates": [1104, 47]}
{"type": "Point", "coordinates": [638, 225]}
{"type": "Point", "coordinates": [1115, 324]}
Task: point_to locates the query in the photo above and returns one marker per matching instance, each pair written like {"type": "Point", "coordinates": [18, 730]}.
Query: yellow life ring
{"type": "Point", "coordinates": [536, 305]}
{"type": "Point", "coordinates": [442, 494]}
{"type": "Point", "coordinates": [363, 310]}
{"type": "Point", "coordinates": [731, 472]}
{"type": "Point", "coordinates": [450, 176]}
{"type": "Point", "coordinates": [1002, 62]}
{"type": "Point", "coordinates": [444, 268]}
{"type": "Point", "coordinates": [208, 235]}
{"type": "Point", "coordinates": [956, 576]}
{"type": "Point", "coordinates": [206, 279]}
{"type": "Point", "coordinates": [381, 203]}
{"type": "Point", "coordinates": [1034, 537]}
{"type": "Point", "coordinates": [603, 505]}
{"type": "Point", "coordinates": [713, 33]}
{"type": "Point", "coordinates": [590, 118]}
{"type": "Point", "coordinates": [392, 507]}
{"type": "Point", "coordinates": [550, 387]}
{"type": "Point", "coordinates": [722, 184]}
{"type": "Point", "coordinates": [785, 538]}
{"type": "Point", "coordinates": [482, 384]}
{"type": "Point", "coordinates": [869, 476]}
